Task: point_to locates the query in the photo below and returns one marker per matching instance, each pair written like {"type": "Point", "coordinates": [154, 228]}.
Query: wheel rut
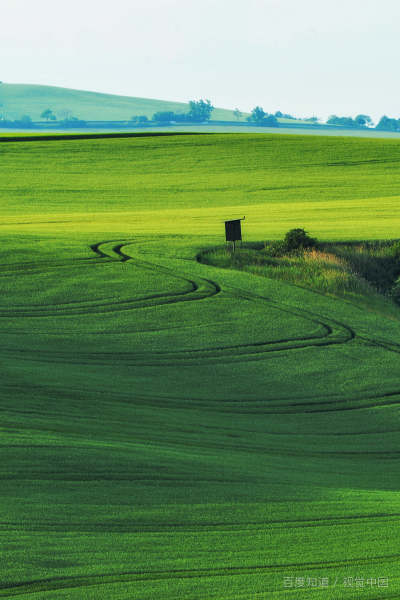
{"type": "Point", "coordinates": [330, 333]}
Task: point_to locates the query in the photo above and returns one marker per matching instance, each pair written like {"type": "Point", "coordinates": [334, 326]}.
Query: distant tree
{"type": "Point", "coordinates": [346, 121]}
{"type": "Point", "coordinates": [65, 114]}
{"type": "Point", "coordinates": [257, 115]}
{"type": "Point", "coordinates": [269, 121]}
{"type": "Point", "coordinates": [53, 118]}
{"type": "Point", "coordinates": [261, 118]}
{"type": "Point", "coordinates": [163, 116]}
{"type": "Point", "coordinates": [72, 122]}
{"type": "Point", "coordinates": [386, 123]}
{"type": "Point", "coordinates": [25, 120]}
{"type": "Point", "coordinates": [360, 120]}
{"type": "Point", "coordinates": [180, 117]}
{"type": "Point", "coordinates": [139, 119]}
{"type": "Point", "coordinates": [47, 114]}
{"type": "Point", "coordinates": [333, 120]}
{"type": "Point", "coordinates": [199, 111]}
{"type": "Point", "coordinates": [314, 120]}
{"type": "Point", "coordinates": [281, 115]}
{"type": "Point", "coordinates": [237, 113]}
{"type": "Point", "coordinates": [363, 120]}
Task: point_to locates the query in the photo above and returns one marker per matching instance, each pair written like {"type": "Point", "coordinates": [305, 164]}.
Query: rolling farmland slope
{"type": "Point", "coordinates": [174, 430]}
{"type": "Point", "coordinates": [19, 99]}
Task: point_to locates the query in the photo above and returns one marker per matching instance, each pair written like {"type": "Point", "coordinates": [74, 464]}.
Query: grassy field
{"type": "Point", "coordinates": [170, 429]}
{"type": "Point", "coordinates": [20, 99]}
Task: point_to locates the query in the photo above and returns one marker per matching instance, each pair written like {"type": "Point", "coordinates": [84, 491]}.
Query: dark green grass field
{"type": "Point", "coordinates": [174, 430]}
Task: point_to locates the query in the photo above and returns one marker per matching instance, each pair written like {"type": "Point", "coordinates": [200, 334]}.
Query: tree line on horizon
{"type": "Point", "coordinates": [264, 119]}
{"type": "Point", "coordinates": [65, 119]}
{"type": "Point", "coordinates": [200, 112]}
{"type": "Point", "coordinates": [365, 121]}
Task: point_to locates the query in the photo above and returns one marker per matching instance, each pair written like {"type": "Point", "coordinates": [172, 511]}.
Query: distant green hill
{"type": "Point", "coordinates": [32, 100]}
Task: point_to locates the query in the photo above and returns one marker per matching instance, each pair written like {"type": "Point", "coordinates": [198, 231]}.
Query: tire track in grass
{"type": "Point", "coordinates": [331, 332]}
{"type": "Point", "coordinates": [223, 354]}
{"type": "Point", "coordinates": [200, 289]}
{"type": "Point", "coordinates": [283, 406]}
{"type": "Point", "coordinates": [204, 287]}
{"type": "Point", "coordinates": [335, 332]}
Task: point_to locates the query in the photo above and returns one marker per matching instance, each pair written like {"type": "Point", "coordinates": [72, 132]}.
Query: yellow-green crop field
{"type": "Point", "coordinates": [172, 430]}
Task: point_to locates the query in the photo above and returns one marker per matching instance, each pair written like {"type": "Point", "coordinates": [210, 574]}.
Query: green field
{"type": "Point", "coordinates": [19, 99]}
{"type": "Point", "coordinates": [171, 429]}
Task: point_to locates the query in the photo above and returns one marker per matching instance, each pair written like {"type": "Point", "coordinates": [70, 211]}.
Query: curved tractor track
{"type": "Point", "coordinates": [333, 332]}
{"type": "Point", "coordinates": [327, 332]}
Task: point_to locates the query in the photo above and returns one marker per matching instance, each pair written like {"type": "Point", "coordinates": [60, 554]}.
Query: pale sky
{"type": "Point", "coordinates": [304, 57]}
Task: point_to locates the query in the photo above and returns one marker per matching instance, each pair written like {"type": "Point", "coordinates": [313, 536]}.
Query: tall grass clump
{"type": "Point", "coordinates": [377, 262]}
{"type": "Point", "coordinates": [364, 273]}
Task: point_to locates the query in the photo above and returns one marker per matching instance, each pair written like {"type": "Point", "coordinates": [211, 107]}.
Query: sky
{"type": "Point", "coordinates": [303, 57]}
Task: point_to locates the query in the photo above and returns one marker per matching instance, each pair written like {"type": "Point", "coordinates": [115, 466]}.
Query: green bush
{"type": "Point", "coordinates": [297, 239]}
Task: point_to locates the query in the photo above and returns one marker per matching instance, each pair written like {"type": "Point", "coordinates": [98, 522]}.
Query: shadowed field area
{"type": "Point", "coordinates": [171, 429]}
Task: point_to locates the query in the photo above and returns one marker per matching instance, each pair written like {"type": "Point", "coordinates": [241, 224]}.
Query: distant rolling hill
{"type": "Point", "coordinates": [19, 99]}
